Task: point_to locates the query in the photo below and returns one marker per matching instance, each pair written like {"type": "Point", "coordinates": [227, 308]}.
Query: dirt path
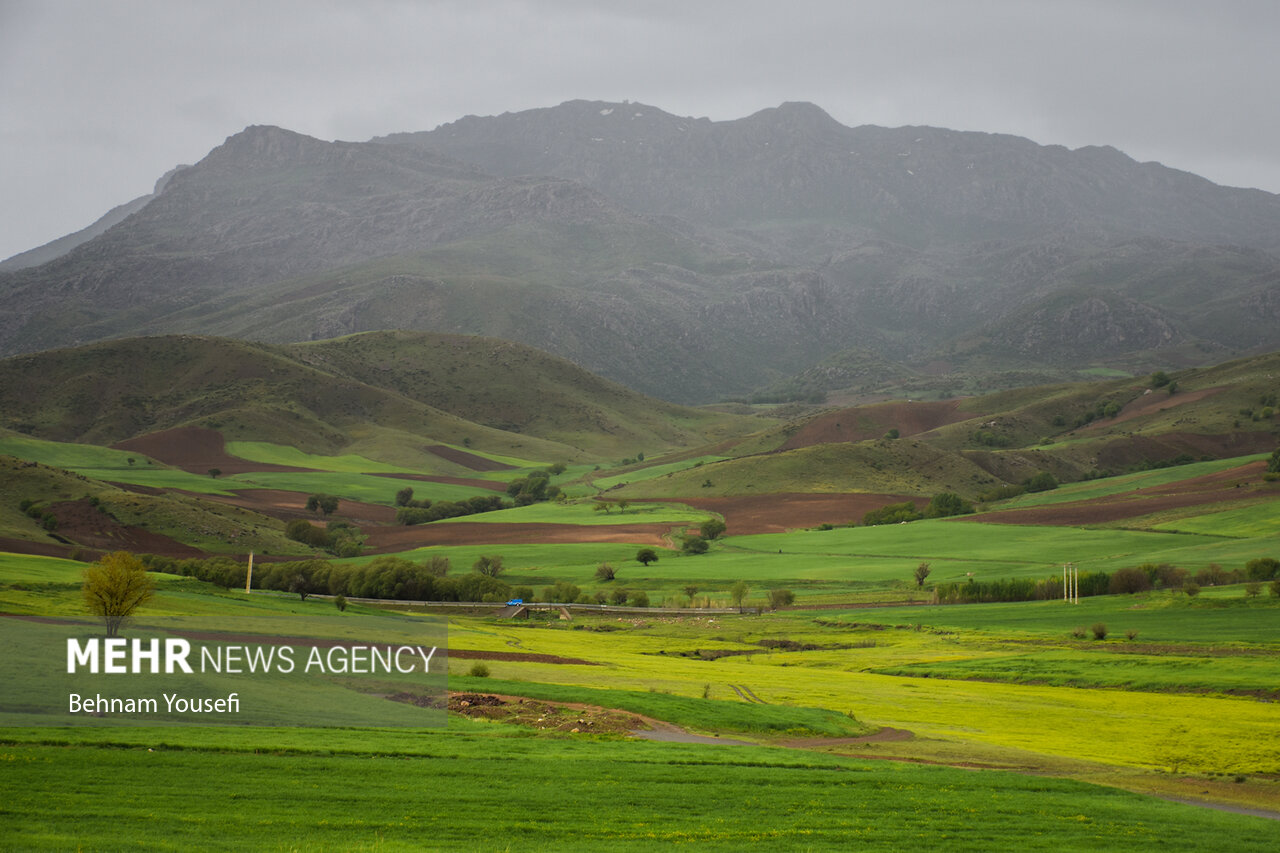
{"type": "Point", "coordinates": [196, 450]}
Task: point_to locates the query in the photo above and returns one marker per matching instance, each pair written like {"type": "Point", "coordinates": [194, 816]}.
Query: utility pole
{"type": "Point", "coordinates": [1071, 583]}
{"type": "Point", "coordinates": [248, 576]}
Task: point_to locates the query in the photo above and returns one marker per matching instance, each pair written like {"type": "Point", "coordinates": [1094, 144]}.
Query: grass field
{"type": "Point", "coordinates": [468, 789]}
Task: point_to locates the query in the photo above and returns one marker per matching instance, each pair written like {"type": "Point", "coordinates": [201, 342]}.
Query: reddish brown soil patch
{"type": "Point", "coordinates": [868, 422]}
{"type": "Point", "coordinates": [1220, 487]}
{"type": "Point", "coordinates": [780, 513]}
{"type": "Point", "coordinates": [392, 539]}
{"type": "Point", "coordinates": [47, 548]}
{"type": "Point", "coordinates": [290, 505]}
{"type": "Point", "coordinates": [1127, 452]}
{"type": "Point", "coordinates": [570, 717]}
{"type": "Point", "coordinates": [1156, 401]}
{"type": "Point", "coordinates": [467, 460]}
{"type": "Point", "coordinates": [492, 485]}
{"type": "Point", "coordinates": [197, 450]}
{"type": "Point", "coordinates": [86, 525]}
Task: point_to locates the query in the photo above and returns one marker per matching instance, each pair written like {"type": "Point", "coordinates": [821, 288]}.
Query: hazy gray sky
{"type": "Point", "coordinates": [98, 99]}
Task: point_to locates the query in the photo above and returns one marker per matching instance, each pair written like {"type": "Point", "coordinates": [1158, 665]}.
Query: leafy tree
{"type": "Point", "coordinates": [638, 599]}
{"type": "Point", "coordinates": [340, 602]}
{"type": "Point", "coordinates": [1159, 379]}
{"type": "Point", "coordinates": [1273, 464]}
{"type": "Point", "coordinates": [1262, 568]}
{"type": "Point", "coordinates": [892, 434]}
{"type": "Point", "coordinates": [490, 567]}
{"type": "Point", "coordinates": [922, 571]}
{"type": "Point", "coordinates": [694, 545]}
{"type": "Point", "coordinates": [945, 504]}
{"type": "Point", "coordinates": [605, 572]}
{"type": "Point", "coordinates": [1192, 590]}
{"type": "Point", "coordinates": [1041, 482]}
{"type": "Point", "coordinates": [114, 587]}
{"type": "Point", "coordinates": [215, 473]}
{"type": "Point", "coordinates": [892, 514]}
{"type": "Point", "coordinates": [623, 504]}
{"type": "Point", "coordinates": [327, 504]}
{"type": "Point", "coordinates": [712, 528]}
{"type": "Point", "coordinates": [557, 469]}
{"type": "Point", "coordinates": [690, 591]}
{"type": "Point", "coordinates": [781, 598]}
{"type": "Point", "coordinates": [738, 593]}
{"type": "Point", "coordinates": [404, 496]}
{"type": "Point", "coordinates": [1129, 580]}
{"type": "Point", "coordinates": [619, 596]}
{"type": "Point", "coordinates": [646, 556]}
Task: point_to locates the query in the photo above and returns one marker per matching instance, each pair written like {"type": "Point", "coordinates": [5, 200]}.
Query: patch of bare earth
{"type": "Point", "coordinates": [567, 717]}
{"type": "Point", "coordinates": [86, 525]}
{"type": "Point", "coordinates": [864, 423]}
{"type": "Point", "coordinates": [470, 482]}
{"type": "Point", "coordinates": [467, 460]}
{"type": "Point", "coordinates": [1234, 484]}
{"type": "Point", "coordinates": [748, 514]}
{"type": "Point", "coordinates": [392, 539]}
{"type": "Point", "coordinates": [287, 506]}
{"type": "Point", "coordinates": [196, 450]}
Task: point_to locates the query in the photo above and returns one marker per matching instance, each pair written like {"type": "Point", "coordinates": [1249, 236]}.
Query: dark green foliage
{"type": "Point", "coordinates": [945, 504]}
{"type": "Point", "coordinates": [638, 599]}
{"type": "Point", "coordinates": [781, 598]}
{"type": "Point", "coordinates": [921, 572]}
{"type": "Point", "coordinates": [340, 602]}
{"type": "Point", "coordinates": [619, 596]}
{"type": "Point", "coordinates": [1273, 464]}
{"type": "Point", "coordinates": [1262, 568]}
{"type": "Point", "coordinates": [605, 572]}
{"type": "Point", "coordinates": [892, 514]}
{"type": "Point", "coordinates": [712, 528]}
{"type": "Point", "coordinates": [1129, 580]}
{"type": "Point", "coordinates": [562, 592]}
{"type": "Point", "coordinates": [892, 434]}
{"type": "Point", "coordinates": [1041, 482]}
{"type": "Point", "coordinates": [1159, 379]}
{"type": "Point", "coordinates": [646, 556]}
{"type": "Point", "coordinates": [404, 496]}
{"type": "Point", "coordinates": [987, 438]}
{"type": "Point", "coordinates": [488, 566]}
{"type": "Point", "coordinates": [694, 545]}
{"type": "Point", "coordinates": [424, 512]}
{"type": "Point", "coordinates": [1099, 630]}
{"type": "Point", "coordinates": [327, 504]}
{"type": "Point", "coordinates": [532, 489]}
{"type": "Point", "coordinates": [1000, 493]}
{"type": "Point", "coordinates": [479, 669]}
{"type": "Point", "coordinates": [1018, 589]}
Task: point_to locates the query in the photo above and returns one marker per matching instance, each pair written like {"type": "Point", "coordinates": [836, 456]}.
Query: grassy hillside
{"type": "Point", "coordinates": [382, 395]}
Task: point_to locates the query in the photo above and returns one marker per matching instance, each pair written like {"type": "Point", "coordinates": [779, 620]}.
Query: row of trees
{"type": "Point", "coordinates": [943, 505]}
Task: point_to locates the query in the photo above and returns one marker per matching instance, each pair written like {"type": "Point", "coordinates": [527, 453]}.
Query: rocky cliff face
{"type": "Point", "coordinates": [684, 257]}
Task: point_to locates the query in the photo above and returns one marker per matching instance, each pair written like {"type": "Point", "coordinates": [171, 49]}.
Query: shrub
{"type": "Point", "coordinates": [1079, 632]}
{"type": "Point", "coordinates": [605, 572]}
{"type": "Point", "coordinates": [1042, 482]}
{"type": "Point", "coordinates": [478, 670]}
{"type": "Point", "coordinates": [892, 514]}
{"type": "Point", "coordinates": [1262, 569]}
{"type": "Point", "coordinates": [618, 597]}
{"type": "Point", "coordinates": [1099, 630]}
{"type": "Point", "coordinates": [488, 566]}
{"type": "Point", "coordinates": [1192, 589]}
{"type": "Point", "coordinates": [1252, 588]}
{"type": "Point", "coordinates": [1131, 634]}
{"type": "Point", "coordinates": [694, 545]}
{"type": "Point", "coordinates": [945, 504]}
{"type": "Point", "coordinates": [1129, 580]}
{"type": "Point", "coordinates": [711, 528]}
{"type": "Point", "coordinates": [638, 599]}
{"type": "Point", "coordinates": [340, 602]}
{"type": "Point", "coordinates": [781, 598]}
{"type": "Point", "coordinates": [1275, 588]}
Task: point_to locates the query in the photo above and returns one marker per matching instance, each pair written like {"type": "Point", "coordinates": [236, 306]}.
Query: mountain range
{"type": "Point", "coordinates": [689, 259]}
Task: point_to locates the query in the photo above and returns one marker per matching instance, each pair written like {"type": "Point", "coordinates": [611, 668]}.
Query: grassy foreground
{"type": "Point", "coordinates": [468, 789]}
